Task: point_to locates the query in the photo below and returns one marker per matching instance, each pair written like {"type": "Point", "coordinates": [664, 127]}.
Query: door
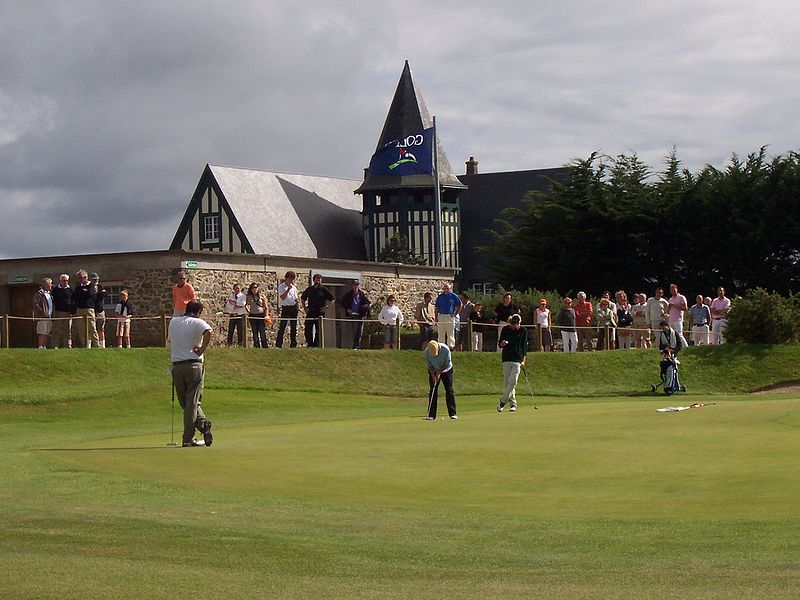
{"type": "Point", "coordinates": [333, 330]}
{"type": "Point", "coordinates": [21, 333]}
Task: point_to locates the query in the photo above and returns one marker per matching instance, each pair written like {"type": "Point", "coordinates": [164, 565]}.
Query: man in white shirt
{"type": "Point", "coordinates": [678, 306]}
{"type": "Point", "coordinates": [656, 310]}
{"type": "Point", "coordinates": [288, 299]}
{"type": "Point", "coordinates": [719, 317]}
{"type": "Point", "coordinates": [236, 309]}
{"type": "Point", "coordinates": [189, 336]}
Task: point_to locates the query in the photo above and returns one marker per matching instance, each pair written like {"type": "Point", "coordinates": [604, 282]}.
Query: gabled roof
{"type": "Point", "coordinates": [287, 214]}
{"type": "Point", "coordinates": [408, 114]}
{"type": "Point", "coordinates": [488, 194]}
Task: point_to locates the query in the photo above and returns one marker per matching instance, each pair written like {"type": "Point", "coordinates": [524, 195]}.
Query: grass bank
{"type": "Point", "coordinates": [35, 377]}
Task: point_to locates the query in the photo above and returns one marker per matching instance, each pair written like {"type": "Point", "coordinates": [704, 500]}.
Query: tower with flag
{"type": "Point", "coordinates": [409, 188]}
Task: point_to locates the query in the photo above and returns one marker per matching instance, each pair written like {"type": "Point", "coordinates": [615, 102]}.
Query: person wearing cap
{"type": "Point", "coordinates": [100, 296]}
{"type": "Point", "coordinates": [448, 304]}
{"type": "Point", "coordinates": [83, 305]}
{"type": "Point", "coordinates": [316, 298]}
{"type": "Point", "coordinates": [356, 308]}
{"type": "Point", "coordinates": [566, 323]}
{"type": "Point", "coordinates": [513, 344]}
{"type": "Point", "coordinates": [544, 321]}
{"type": "Point", "coordinates": [189, 336]}
{"type": "Point", "coordinates": [439, 361]}
{"type": "Point", "coordinates": [669, 342]}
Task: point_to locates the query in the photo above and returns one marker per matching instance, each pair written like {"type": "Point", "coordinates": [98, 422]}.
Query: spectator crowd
{"type": "Point", "coordinates": [74, 316]}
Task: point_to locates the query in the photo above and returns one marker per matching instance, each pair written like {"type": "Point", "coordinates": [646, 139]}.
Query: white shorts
{"type": "Point", "coordinates": [44, 327]}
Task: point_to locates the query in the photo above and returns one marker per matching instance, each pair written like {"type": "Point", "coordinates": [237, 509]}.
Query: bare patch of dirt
{"type": "Point", "coordinates": [789, 387]}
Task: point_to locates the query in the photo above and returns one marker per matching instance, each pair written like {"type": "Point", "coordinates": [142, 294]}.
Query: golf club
{"type": "Point", "coordinates": [172, 433]}
{"type": "Point", "coordinates": [530, 389]}
{"type": "Point", "coordinates": [430, 398]}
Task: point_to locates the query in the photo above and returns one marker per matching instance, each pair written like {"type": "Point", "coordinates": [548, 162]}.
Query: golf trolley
{"type": "Point", "coordinates": [669, 375]}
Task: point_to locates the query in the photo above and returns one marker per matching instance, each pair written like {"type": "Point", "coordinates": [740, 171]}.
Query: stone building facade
{"type": "Point", "coordinates": [148, 277]}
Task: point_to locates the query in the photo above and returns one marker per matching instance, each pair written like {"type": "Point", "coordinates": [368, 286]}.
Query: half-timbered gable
{"type": "Point", "coordinates": [282, 214]}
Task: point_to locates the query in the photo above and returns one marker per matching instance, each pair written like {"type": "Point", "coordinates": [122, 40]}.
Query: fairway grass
{"type": "Point", "coordinates": [347, 494]}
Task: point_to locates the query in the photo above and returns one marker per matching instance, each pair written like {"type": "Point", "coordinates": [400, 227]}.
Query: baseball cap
{"type": "Point", "coordinates": [356, 282]}
{"type": "Point", "coordinates": [516, 319]}
{"type": "Point", "coordinates": [94, 275]}
{"type": "Point", "coordinates": [433, 348]}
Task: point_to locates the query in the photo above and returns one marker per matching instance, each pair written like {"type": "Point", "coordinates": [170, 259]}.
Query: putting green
{"type": "Point", "coordinates": [602, 458]}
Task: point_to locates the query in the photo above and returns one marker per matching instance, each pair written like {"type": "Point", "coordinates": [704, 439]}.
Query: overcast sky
{"type": "Point", "coordinates": [110, 110]}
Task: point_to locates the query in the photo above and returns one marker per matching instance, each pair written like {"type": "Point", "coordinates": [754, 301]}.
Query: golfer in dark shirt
{"type": "Point", "coordinates": [514, 346]}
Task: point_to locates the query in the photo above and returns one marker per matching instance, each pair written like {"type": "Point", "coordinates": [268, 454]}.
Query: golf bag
{"type": "Point", "coordinates": [669, 376]}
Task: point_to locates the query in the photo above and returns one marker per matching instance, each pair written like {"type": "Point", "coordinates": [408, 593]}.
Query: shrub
{"type": "Point", "coordinates": [762, 317]}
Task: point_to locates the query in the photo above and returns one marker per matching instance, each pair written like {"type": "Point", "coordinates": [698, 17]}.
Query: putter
{"type": "Point", "coordinates": [530, 388]}
{"type": "Point", "coordinates": [172, 433]}
{"type": "Point", "coordinates": [430, 398]}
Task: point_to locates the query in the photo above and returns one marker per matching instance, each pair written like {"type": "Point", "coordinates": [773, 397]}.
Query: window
{"type": "Point", "coordinates": [211, 228]}
{"type": "Point", "coordinates": [112, 297]}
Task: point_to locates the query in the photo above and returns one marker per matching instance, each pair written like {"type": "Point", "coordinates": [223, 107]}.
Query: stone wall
{"type": "Point", "coordinates": [151, 294]}
{"type": "Point", "coordinates": [149, 276]}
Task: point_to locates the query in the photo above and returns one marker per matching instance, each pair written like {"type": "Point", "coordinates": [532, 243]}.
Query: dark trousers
{"type": "Point", "coordinates": [312, 331]}
{"type": "Point", "coordinates": [236, 323]}
{"type": "Point", "coordinates": [358, 332]}
{"type": "Point", "coordinates": [259, 330]}
{"type": "Point", "coordinates": [450, 398]}
{"type": "Point", "coordinates": [288, 316]}
{"type": "Point", "coordinates": [425, 334]}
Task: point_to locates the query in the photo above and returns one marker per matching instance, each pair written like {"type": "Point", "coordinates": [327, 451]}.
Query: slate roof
{"type": "Point", "coordinates": [286, 214]}
{"type": "Point", "coordinates": [408, 114]}
{"type": "Point", "coordinates": [486, 196]}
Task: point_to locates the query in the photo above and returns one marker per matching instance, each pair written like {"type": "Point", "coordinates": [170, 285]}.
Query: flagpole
{"type": "Point", "coordinates": [437, 203]}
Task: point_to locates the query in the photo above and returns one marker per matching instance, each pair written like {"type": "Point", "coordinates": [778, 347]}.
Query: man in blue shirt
{"type": "Point", "coordinates": [440, 368]}
{"type": "Point", "coordinates": [448, 305]}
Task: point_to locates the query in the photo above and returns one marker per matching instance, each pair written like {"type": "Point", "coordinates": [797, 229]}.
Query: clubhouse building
{"type": "Point", "coordinates": [244, 225]}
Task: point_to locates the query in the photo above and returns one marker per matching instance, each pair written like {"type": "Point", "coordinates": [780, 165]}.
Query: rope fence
{"type": "Point", "coordinates": [478, 337]}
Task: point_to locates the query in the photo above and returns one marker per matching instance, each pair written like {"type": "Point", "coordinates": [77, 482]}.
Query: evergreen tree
{"type": "Point", "coordinates": [612, 224]}
{"type": "Point", "coordinates": [396, 250]}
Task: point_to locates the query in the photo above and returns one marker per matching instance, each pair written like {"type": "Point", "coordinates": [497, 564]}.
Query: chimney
{"type": "Point", "coordinates": [472, 166]}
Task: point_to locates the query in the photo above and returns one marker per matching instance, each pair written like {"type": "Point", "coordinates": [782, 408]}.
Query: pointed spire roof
{"type": "Point", "coordinates": [408, 114]}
